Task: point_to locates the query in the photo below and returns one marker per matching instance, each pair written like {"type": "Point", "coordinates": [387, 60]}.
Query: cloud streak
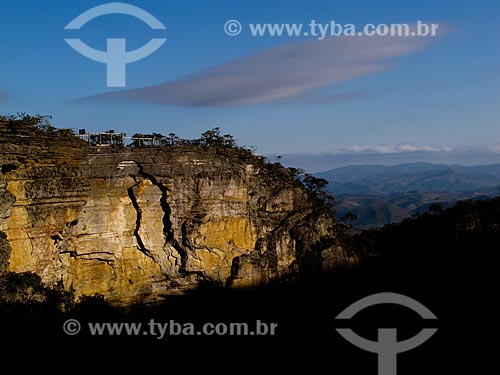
{"type": "Point", "coordinates": [394, 154]}
{"type": "Point", "coordinates": [3, 97]}
{"type": "Point", "coordinates": [392, 149]}
{"type": "Point", "coordinates": [287, 71]}
{"type": "Point", "coordinates": [493, 149]}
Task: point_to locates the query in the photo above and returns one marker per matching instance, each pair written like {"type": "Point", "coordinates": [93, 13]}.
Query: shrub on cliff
{"type": "Point", "coordinates": [23, 128]}
{"type": "Point", "coordinates": [24, 295]}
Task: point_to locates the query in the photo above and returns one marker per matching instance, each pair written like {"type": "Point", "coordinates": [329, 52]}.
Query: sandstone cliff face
{"type": "Point", "coordinates": [134, 224]}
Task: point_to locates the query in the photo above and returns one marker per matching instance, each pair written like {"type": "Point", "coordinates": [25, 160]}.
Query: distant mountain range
{"type": "Point", "coordinates": [379, 194]}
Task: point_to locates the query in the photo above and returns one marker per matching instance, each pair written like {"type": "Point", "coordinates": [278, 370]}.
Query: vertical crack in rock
{"type": "Point", "coordinates": [138, 220]}
{"type": "Point", "coordinates": [168, 231]}
{"type": "Point", "coordinates": [186, 243]}
{"type": "Point", "coordinates": [183, 254]}
{"type": "Point", "coordinates": [233, 274]}
{"type": "Point", "coordinates": [167, 224]}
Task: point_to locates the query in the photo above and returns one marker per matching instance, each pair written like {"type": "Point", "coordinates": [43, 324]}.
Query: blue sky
{"type": "Point", "coordinates": [320, 104]}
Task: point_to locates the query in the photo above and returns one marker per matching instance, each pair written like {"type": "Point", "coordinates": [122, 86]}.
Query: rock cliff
{"type": "Point", "coordinates": [134, 224]}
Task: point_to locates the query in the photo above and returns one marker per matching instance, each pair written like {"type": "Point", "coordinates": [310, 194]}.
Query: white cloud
{"type": "Point", "coordinates": [493, 149]}
{"type": "Point", "coordinates": [392, 149]}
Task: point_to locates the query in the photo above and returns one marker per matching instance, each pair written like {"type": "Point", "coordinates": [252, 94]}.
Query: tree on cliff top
{"type": "Point", "coordinates": [317, 189]}
{"type": "Point", "coordinates": [213, 138]}
{"type": "Point", "coordinates": [22, 124]}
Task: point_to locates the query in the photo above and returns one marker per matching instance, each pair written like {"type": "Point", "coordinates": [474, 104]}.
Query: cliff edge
{"type": "Point", "coordinates": [133, 224]}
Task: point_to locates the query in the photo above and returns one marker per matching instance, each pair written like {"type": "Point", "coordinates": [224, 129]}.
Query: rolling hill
{"type": "Point", "coordinates": [380, 195]}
